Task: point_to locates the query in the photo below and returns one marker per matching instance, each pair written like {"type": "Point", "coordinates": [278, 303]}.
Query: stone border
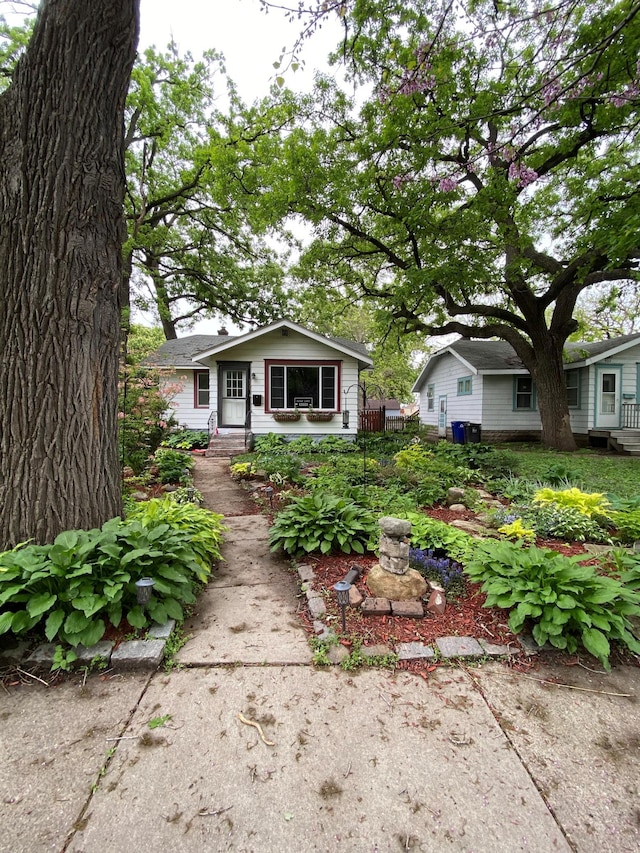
{"type": "Point", "coordinates": [447, 648]}
{"type": "Point", "coordinates": [129, 655]}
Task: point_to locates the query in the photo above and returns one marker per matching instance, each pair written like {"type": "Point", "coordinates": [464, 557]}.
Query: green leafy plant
{"type": "Point", "coordinates": [430, 534]}
{"type": "Point", "coordinates": [567, 603]}
{"type": "Point", "coordinates": [173, 466]}
{"type": "Point", "coordinates": [322, 523]}
{"type": "Point", "coordinates": [270, 442]}
{"type": "Point", "coordinates": [517, 531]}
{"type": "Point", "coordinates": [286, 465]}
{"type": "Point", "coordinates": [551, 521]}
{"type": "Point", "coordinates": [71, 588]}
{"type": "Point", "coordinates": [590, 504]}
{"type": "Point", "coordinates": [63, 659]}
{"type": "Point", "coordinates": [627, 524]}
{"type": "Point", "coordinates": [335, 444]}
{"type": "Point", "coordinates": [187, 439]}
{"type": "Point", "coordinates": [242, 471]}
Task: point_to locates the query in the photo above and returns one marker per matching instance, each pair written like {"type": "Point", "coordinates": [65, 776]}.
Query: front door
{"type": "Point", "coordinates": [608, 394]}
{"type": "Point", "coordinates": [233, 392]}
{"type": "Point", "coordinates": [442, 416]}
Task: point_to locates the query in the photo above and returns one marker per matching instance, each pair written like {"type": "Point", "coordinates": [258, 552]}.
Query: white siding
{"type": "Point", "coordinates": [294, 346]}
{"type": "Point", "coordinates": [498, 411]}
{"type": "Point", "coordinates": [182, 401]}
{"type": "Point", "coordinates": [444, 378]}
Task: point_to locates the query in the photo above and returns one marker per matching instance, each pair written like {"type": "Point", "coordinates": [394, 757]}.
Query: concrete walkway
{"type": "Point", "coordinates": [482, 759]}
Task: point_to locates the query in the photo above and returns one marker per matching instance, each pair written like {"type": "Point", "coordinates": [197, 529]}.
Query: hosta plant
{"type": "Point", "coordinates": [430, 534]}
{"type": "Point", "coordinates": [592, 504]}
{"type": "Point", "coordinates": [322, 523]}
{"type": "Point", "coordinates": [567, 603]}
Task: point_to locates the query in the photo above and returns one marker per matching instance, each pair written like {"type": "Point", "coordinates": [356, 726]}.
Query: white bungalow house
{"type": "Point", "coordinates": [281, 378]}
{"type": "Point", "coordinates": [485, 383]}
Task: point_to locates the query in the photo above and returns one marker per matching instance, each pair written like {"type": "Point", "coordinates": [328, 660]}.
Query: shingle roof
{"type": "Point", "coordinates": [488, 355]}
{"type": "Point", "coordinates": [179, 352]}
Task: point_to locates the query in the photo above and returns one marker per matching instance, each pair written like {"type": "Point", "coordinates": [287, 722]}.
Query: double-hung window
{"type": "Point", "coordinates": [572, 381]}
{"type": "Point", "coordinates": [302, 385]}
{"type": "Point", "coordinates": [431, 395]}
{"type": "Point", "coordinates": [201, 389]}
{"type": "Point", "coordinates": [465, 386]}
{"type": "Point", "coordinates": [523, 393]}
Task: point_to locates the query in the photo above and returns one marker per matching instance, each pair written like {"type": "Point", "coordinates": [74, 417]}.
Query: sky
{"type": "Point", "coordinates": [251, 42]}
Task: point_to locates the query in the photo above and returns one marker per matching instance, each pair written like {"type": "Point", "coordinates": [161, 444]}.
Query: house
{"type": "Point", "coordinates": [485, 383]}
{"type": "Point", "coordinates": [281, 378]}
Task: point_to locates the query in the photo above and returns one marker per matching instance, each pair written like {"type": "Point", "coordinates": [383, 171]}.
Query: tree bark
{"type": "Point", "coordinates": [551, 392]}
{"type": "Point", "coordinates": [61, 230]}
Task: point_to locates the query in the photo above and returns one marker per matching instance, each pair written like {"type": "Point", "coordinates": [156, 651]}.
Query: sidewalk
{"type": "Point", "coordinates": [475, 759]}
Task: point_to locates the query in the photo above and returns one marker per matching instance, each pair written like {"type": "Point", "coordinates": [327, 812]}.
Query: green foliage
{"type": "Point", "coordinates": [272, 442]}
{"type": "Point", "coordinates": [142, 418]}
{"type": "Point", "coordinates": [588, 504]}
{"type": "Point", "coordinates": [550, 521]}
{"type": "Point", "coordinates": [627, 524]}
{"type": "Point", "coordinates": [173, 465]}
{"type": "Point", "coordinates": [242, 471]}
{"type": "Point", "coordinates": [567, 603]}
{"type": "Point", "coordinates": [430, 534]}
{"type": "Point", "coordinates": [187, 439]}
{"type": "Point", "coordinates": [282, 465]}
{"type": "Point", "coordinates": [71, 588]}
{"type": "Point", "coordinates": [517, 531]}
{"type": "Point", "coordinates": [335, 444]}
{"type": "Point", "coordinates": [303, 445]}
{"type": "Point", "coordinates": [184, 495]}
{"type": "Point", "coordinates": [322, 523]}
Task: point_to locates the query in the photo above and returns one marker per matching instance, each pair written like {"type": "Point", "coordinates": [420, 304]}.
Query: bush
{"type": "Point", "coordinates": [322, 523]}
{"type": "Point", "coordinates": [429, 534]}
{"type": "Point", "coordinates": [568, 603]}
{"type": "Point", "coordinates": [85, 577]}
{"type": "Point", "coordinates": [173, 466]}
{"type": "Point", "coordinates": [187, 439]}
{"type": "Point", "coordinates": [592, 505]}
{"type": "Point", "coordinates": [550, 521]}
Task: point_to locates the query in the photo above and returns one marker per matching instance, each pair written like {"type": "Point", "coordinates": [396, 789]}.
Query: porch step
{"type": "Point", "coordinates": [222, 446]}
{"type": "Point", "coordinates": [626, 441]}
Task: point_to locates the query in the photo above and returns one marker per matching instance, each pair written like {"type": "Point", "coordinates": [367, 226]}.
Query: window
{"type": "Point", "coordinates": [572, 380]}
{"type": "Point", "coordinates": [523, 393]}
{"type": "Point", "coordinates": [303, 385]}
{"type": "Point", "coordinates": [431, 395]}
{"type": "Point", "coordinates": [464, 386]}
{"type": "Point", "coordinates": [201, 389]}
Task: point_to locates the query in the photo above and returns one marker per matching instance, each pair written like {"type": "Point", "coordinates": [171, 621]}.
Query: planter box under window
{"type": "Point", "coordinates": [316, 417]}
{"type": "Point", "coordinates": [284, 417]}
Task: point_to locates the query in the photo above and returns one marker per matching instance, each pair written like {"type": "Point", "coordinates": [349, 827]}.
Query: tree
{"type": "Point", "coordinates": [196, 244]}
{"type": "Point", "coordinates": [608, 311]}
{"type": "Point", "coordinates": [484, 175]}
{"type": "Point", "coordinates": [61, 231]}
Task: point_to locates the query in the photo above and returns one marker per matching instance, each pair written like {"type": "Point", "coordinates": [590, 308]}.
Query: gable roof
{"type": "Point", "coordinates": [351, 348]}
{"type": "Point", "coordinates": [188, 352]}
{"type": "Point", "coordinates": [499, 357]}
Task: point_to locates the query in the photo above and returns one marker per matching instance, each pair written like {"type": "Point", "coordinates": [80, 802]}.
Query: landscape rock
{"type": "Point", "coordinates": [396, 528]}
{"type": "Point", "coordinates": [459, 647]}
{"type": "Point", "coordinates": [138, 654]}
{"type": "Point", "coordinates": [317, 607]}
{"type": "Point", "coordinates": [458, 508]}
{"type": "Point", "coordinates": [414, 651]}
{"type": "Point", "coordinates": [376, 651]}
{"type": "Point", "coordinates": [355, 597]}
{"type": "Point", "coordinates": [395, 565]}
{"type": "Point", "coordinates": [455, 496]}
{"type": "Point", "coordinates": [383, 584]}
{"type": "Point", "coordinates": [437, 603]}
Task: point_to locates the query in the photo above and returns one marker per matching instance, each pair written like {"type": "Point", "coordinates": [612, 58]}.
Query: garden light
{"type": "Point", "coordinates": [144, 587]}
{"type": "Point", "coordinates": [190, 493]}
{"type": "Point", "coordinates": [269, 493]}
{"type": "Point", "coordinates": [342, 591]}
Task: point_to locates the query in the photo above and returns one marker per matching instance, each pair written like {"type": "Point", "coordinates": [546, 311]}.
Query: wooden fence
{"type": "Point", "coordinates": [376, 420]}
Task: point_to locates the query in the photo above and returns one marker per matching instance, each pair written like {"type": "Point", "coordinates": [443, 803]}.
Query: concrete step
{"type": "Point", "coordinates": [221, 446]}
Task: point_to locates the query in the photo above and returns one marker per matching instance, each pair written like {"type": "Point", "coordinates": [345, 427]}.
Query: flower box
{"type": "Point", "coordinates": [319, 416]}
{"type": "Point", "coordinates": [284, 417]}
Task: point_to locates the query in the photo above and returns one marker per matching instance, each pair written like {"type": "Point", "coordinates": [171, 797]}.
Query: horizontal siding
{"type": "Point", "coordinates": [499, 413]}
{"type": "Point", "coordinates": [292, 347]}
{"type": "Point", "coordinates": [181, 404]}
{"type": "Point", "coordinates": [444, 378]}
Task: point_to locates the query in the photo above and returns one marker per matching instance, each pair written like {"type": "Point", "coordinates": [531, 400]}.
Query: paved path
{"type": "Point", "coordinates": [480, 760]}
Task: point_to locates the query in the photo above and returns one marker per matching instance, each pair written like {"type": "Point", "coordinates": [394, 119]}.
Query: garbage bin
{"type": "Point", "coordinates": [458, 431]}
{"type": "Point", "coordinates": [472, 433]}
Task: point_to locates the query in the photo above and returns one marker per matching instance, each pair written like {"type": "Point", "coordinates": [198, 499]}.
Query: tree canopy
{"type": "Point", "coordinates": [482, 173]}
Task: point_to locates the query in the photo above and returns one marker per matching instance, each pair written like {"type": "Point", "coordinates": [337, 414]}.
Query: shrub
{"type": "Point", "coordinates": [627, 524]}
{"type": "Point", "coordinates": [187, 439]}
{"type": "Point", "coordinates": [322, 523]}
{"type": "Point", "coordinates": [173, 466]}
{"type": "Point", "coordinates": [86, 577]}
{"type": "Point", "coordinates": [142, 415]}
{"type": "Point", "coordinates": [568, 603]}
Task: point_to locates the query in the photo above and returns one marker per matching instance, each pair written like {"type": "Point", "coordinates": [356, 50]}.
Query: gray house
{"type": "Point", "coordinates": [484, 382]}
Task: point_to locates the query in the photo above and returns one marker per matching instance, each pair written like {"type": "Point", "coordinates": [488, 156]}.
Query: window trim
{"type": "Point", "coordinates": [431, 398]}
{"type": "Point", "coordinates": [577, 386]}
{"type": "Point", "coordinates": [534, 402]}
{"type": "Point", "coordinates": [462, 382]}
{"type": "Point", "coordinates": [300, 362]}
{"type": "Point", "coordinates": [196, 389]}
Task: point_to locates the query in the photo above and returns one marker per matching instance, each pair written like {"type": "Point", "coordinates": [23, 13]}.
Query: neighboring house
{"type": "Point", "coordinates": [281, 378]}
{"type": "Point", "coordinates": [484, 382]}
{"type": "Point", "coordinates": [391, 406]}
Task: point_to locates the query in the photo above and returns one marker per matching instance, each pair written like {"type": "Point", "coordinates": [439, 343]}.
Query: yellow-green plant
{"type": "Point", "coordinates": [591, 504]}
{"type": "Point", "coordinates": [242, 471]}
{"type": "Point", "coordinates": [516, 530]}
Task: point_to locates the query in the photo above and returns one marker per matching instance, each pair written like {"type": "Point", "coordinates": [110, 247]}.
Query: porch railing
{"type": "Point", "coordinates": [212, 423]}
{"type": "Point", "coordinates": [631, 416]}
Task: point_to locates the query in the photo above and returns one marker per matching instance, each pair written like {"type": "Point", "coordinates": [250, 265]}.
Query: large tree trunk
{"type": "Point", "coordinates": [551, 392]}
{"type": "Point", "coordinates": [61, 228]}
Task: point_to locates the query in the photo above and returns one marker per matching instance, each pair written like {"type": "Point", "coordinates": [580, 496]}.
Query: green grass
{"type": "Point", "coordinates": [590, 470]}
